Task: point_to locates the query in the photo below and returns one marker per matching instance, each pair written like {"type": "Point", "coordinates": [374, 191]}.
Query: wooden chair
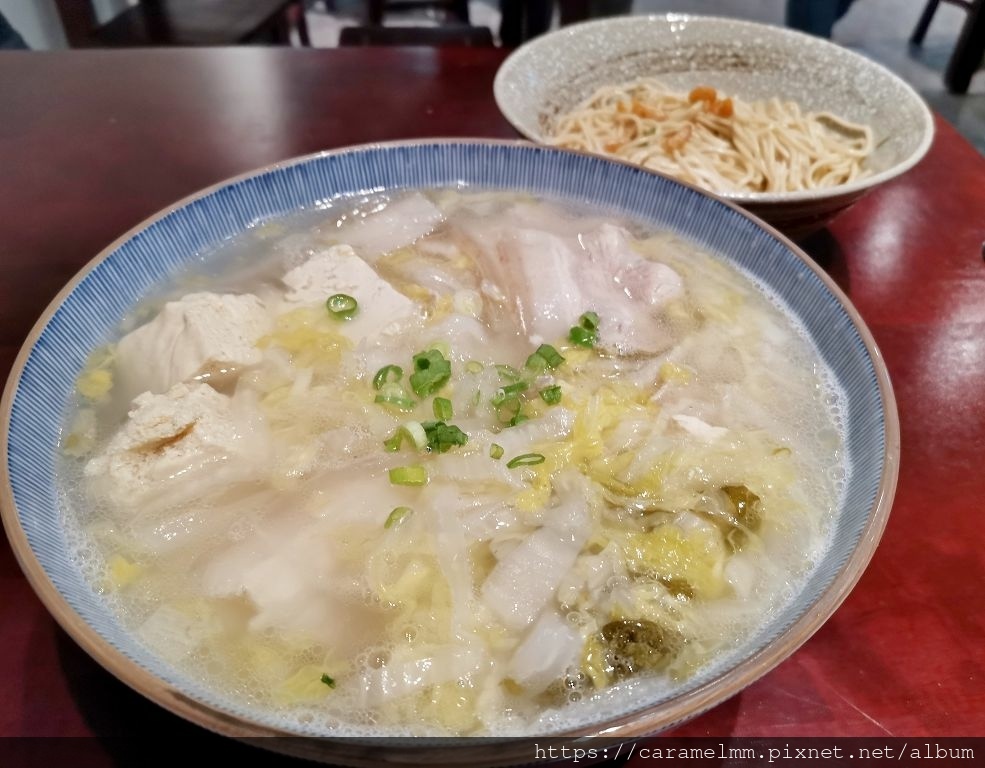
{"type": "Point", "coordinates": [186, 23]}
{"type": "Point", "coordinates": [457, 10]}
{"type": "Point", "coordinates": [454, 28]}
{"type": "Point", "coordinates": [970, 47]}
{"type": "Point", "coordinates": [451, 35]}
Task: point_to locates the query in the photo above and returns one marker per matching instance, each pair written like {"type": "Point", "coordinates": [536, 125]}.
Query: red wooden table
{"type": "Point", "coordinates": [93, 142]}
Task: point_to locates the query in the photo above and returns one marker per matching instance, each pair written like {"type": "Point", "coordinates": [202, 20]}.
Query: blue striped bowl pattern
{"type": "Point", "coordinates": [93, 304]}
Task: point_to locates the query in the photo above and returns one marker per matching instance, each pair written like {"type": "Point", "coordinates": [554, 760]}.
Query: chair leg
{"type": "Point", "coordinates": [968, 51]}
{"type": "Point", "coordinates": [375, 12]}
{"type": "Point", "coordinates": [574, 11]}
{"type": "Point", "coordinates": [78, 20]}
{"type": "Point", "coordinates": [461, 10]}
{"type": "Point", "coordinates": [299, 21]}
{"type": "Point", "coordinates": [920, 30]}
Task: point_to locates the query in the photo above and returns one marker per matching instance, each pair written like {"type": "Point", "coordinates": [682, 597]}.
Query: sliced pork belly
{"type": "Point", "coordinates": [539, 276]}
{"type": "Point", "coordinates": [296, 578]}
{"type": "Point", "coordinates": [641, 279]}
{"type": "Point", "coordinates": [296, 568]}
{"type": "Point", "coordinates": [400, 223]}
{"type": "Point", "coordinates": [548, 280]}
{"type": "Point", "coordinates": [551, 283]}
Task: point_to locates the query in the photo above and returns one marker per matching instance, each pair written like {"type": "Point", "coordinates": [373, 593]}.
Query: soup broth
{"type": "Point", "coordinates": [452, 463]}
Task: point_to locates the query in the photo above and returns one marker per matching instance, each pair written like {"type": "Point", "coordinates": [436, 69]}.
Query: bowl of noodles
{"type": "Point", "coordinates": [458, 439]}
{"type": "Point", "coordinates": [792, 127]}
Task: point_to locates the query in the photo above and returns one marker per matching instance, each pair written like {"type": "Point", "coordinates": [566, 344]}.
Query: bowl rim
{"type": "Point", "coordinates": [516, 61]}
{"type": "Point", "coordinates": [632, 725]}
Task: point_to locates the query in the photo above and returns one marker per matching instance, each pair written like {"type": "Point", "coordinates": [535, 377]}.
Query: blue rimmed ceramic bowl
{"type": "Point", "coordinates": [92, 305]}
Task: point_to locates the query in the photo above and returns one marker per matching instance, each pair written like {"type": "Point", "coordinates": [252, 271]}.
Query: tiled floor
{"type": "Point", "coordinates": [879, 29]}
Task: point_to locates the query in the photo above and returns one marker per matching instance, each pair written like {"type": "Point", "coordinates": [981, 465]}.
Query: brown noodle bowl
{"type": "Point", "coordinates": [721, 144]}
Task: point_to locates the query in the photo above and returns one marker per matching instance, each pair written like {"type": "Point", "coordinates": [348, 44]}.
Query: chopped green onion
{"type": "Point", "coordinates": [330, 682]}
{"type": "Point", "coordinates": [441, 436]}
{"type": "Point", "coordinates": [526, 460]}
{"type": "Point", "coordinates": [442, 408]}
{"type": "Point", "coordinates": [508, 372]}
{"type": "Point", "coordinates": [400, 403]}
{"type": "Point", "coordinates": [397, 516]}
{"type": "Point", "coordinates": [414, 474]}
{"type": "Point", "coordinates": [342, 306]}
{"type": "Point", "coordinates": [496, 451]}
{"type": "Point", "coordinates": [509, 392]}
{"type": "Point", "coordinates": [383, 376]}
{"type": "Point", "coordinates": [474, 366]}
{"type": "Point", "coordinates": [431, 372]}
{"type": "Point", "coordinates": [392, 394]}
{"type": "Point", "coordinates": [582, 337]}
{"type": "Point", "coordinates": [589, 321]}
{"type": "Point", "coordinates": [441, 346]}
{"type": "Point", "coordinates": [519, 418]}
{"type": "Point", "coordinates": [535, 363]}
{"type": "Point", "coordinates": [411, 430]}
{"type": "Point", "coordinates": [586, 332]}
{"type": "Point", "coordinates": [551, 395]}
{"type": "Point", "coordinates": [507, 408]}
{"type": "Point", "coordinates": [544, 357]}
{"type": "Point", "coordinates": [415, 431]}
{"type": "Point", "coordinates": [551, 355]}
{"type": "Point", "coordinates": [514, 389]}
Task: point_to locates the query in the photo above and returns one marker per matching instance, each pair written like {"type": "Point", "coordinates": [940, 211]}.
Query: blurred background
{"type": "Point", "coordinates": [884, 30]}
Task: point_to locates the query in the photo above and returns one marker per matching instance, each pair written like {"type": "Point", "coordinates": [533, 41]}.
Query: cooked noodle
{"type": "Point", "coordinates": [721, 144]}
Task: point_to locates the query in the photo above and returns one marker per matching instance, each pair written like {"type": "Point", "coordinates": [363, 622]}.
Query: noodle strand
{"type": "Point", "coordinates": [722, 144]}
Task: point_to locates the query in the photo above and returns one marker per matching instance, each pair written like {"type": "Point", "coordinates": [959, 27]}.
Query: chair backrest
{"type": "Point", "coordinates": [186, 23]}
{"type": "Point", "coordinates": [457, 9]}
{"type": "Point", "coordinates": [453, 35]}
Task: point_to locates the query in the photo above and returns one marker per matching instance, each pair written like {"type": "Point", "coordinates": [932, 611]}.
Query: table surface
{"type": "Point", "coordinates": [93, 142]}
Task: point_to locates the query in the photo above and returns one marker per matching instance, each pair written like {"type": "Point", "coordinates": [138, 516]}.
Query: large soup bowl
{"type": "Point", "coordinates": [37, 510]}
